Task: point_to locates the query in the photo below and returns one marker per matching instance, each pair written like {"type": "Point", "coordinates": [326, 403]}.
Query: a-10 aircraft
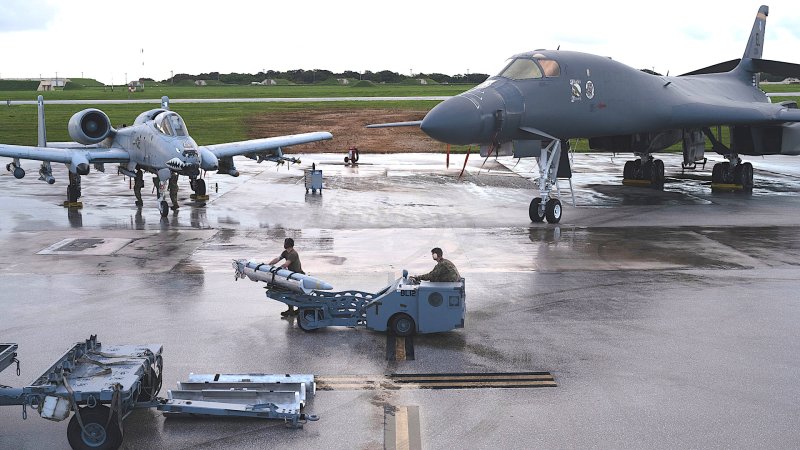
{"type": "Point", "coordinates": [541, 99]}
{"type": "Point", "coordinates": [157, 142]}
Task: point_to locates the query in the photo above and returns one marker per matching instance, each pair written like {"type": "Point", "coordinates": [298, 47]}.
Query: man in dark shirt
{"type": "Point", "coordinates": [292, 263]}
{"type": "Point", "coordinates": [443, 271]}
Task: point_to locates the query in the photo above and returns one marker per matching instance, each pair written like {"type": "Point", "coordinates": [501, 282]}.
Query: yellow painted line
{"type": "Point", "coordinates": [385, 383]}
{"type": "Point", "coordinates": [401, 428]}
{"type": "Point", "coordinates": [400, 349]}
{"type": "Point", "coordinates": [473, 377]}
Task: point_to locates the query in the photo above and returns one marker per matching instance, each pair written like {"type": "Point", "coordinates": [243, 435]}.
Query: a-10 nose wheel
{"type": "Point", "coordinates": [551, 210]}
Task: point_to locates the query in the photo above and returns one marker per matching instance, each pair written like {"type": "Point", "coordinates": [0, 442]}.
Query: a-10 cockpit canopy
{"type": "Point", "coordinates": [171, 124]}
{"type": "Point", "coordinates": [531, 67]}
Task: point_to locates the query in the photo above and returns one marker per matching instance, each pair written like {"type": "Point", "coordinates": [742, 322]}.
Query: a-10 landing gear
{"type": "Point", "coordinates": [645, 169]}
{"type": "Point", "coordinates": [198, 186]}
{"type": "Point", "coordinates": [732, 173]}
{"type": "Point", "coordinates": [73, 189]}
{"type": "Point", "coordinates": [550, 210]}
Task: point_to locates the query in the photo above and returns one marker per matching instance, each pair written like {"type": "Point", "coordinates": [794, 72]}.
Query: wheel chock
{"type": "Point", "coordinates": [641, 183]}
{"type": "Point", "coordinates": [725, 187]}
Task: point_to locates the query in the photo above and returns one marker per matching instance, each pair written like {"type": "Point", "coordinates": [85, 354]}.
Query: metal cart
{"type": "Point", "coordinates": [102, 385]}
{"type": "Point", "coordinates": [404, 308]}
{"type": "Point", "coordinates": [313, 180]}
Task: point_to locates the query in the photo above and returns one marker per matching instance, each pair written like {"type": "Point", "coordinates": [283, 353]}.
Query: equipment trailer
{"type": "Point", "coordinates": [403, 307]}
{"type": "Point", "coordinates": [102, 385]}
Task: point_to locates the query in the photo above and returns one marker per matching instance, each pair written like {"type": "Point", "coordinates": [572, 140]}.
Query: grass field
{"type": "Point", "coordinates": [237, 91]}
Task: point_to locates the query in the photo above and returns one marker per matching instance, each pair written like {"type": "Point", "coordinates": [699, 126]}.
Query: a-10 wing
{"type": "Point", "coordinates": [65, 155]}
{"type": "Point", "coordinates": [265, 144]}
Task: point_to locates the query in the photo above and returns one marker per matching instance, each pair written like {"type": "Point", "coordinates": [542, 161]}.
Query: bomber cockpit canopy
{"type": "Point", "coordinates": [531, 66]}
{"type": "Point", "coordinates": [171, 124]}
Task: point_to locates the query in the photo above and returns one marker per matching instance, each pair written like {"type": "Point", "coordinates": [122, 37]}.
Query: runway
{"type": "Point", "coordinates": [666, 319]}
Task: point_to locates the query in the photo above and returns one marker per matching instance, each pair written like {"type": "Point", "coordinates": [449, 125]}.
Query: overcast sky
{"type": "Point", "coordinates": [104, 39]}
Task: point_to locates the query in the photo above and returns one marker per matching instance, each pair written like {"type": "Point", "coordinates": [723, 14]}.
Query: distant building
{"type": "Point", "coordinates": [50, 84]}
{"type": "Point", "coordinates": [343, 81]}
{"type": "Point", "coordinates": [136, 85]}
{"type": "Point", "coordinates": [422, 81]}
{"type": "Point", "coordinates": [200, 83]}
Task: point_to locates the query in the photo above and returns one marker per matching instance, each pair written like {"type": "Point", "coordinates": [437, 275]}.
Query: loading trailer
{"type": "Point", "coordinates": [99, 386]}
{"type": "Point", "coordinates": [403, 308]}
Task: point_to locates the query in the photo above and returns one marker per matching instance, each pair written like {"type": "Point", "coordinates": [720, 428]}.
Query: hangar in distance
{"type": "Point", "coordinates": [543, 98]}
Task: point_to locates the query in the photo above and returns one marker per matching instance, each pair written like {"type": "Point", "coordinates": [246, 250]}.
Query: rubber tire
{"type": "Point", "coordinates": [163, 208]}
{"type": "Point", "coordinates": [658, 173]}
{"type": "Point", "coordinates": [300, 314]}
{"type": "Point", "coordinates": [401, 324]}
{"type": "Point", "coordinates": [647, 171]}
{"type": "Point", "coordinates": [627, 171]}
{"type": "Point", "coordinates": [716, 173]}
{"type": "Point", "coordinates": [553, 210]}
{"type": "Point", "coordinates": [94, 418]}
{"type": "Point", "coordinates": [200, 186]}
{"type": "Point", "coordinates": [726, 175]}
{"type": "Point", "coordinates": [533, 211]}
{"type": "Point", "coordinates": [747, 177]}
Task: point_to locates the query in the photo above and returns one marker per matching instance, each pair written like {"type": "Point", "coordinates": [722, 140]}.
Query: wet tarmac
{"type": "Point", "coordinates": [667, 318]}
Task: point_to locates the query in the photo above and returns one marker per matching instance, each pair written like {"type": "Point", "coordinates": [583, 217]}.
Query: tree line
{"type": "Point", "coordinates": [301, 76]}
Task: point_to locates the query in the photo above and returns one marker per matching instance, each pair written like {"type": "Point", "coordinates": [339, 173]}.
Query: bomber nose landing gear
{"type": "Point", "coordinates": [550, 168]}
{"type": "Point", "coordinates": [550, 210]}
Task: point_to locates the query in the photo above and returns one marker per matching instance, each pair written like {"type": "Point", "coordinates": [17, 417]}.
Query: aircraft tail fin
{"type": "Point", "coordinates": [755, 45]}
{"type": "Point", "coordinates": [42, 131]}
{"type": "Point", "coordinates": [746, 70]}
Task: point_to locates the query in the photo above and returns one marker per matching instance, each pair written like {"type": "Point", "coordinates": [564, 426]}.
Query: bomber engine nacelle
{"type": "Point", "coordinates": [90, 126]}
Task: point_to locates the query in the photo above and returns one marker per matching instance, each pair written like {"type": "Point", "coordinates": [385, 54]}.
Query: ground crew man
{"type": "Point", "coordinates": [138, 184]}
{"type": "Point", "coordinates": [173, 191]}
{"type": "Point", "coordinates": [292, 263]}
{"type": "Point", "coordinates": [443, 271]}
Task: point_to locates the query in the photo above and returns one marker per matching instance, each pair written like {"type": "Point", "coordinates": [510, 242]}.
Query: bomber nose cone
{"type": "Point", "coordinates": [456, 121]}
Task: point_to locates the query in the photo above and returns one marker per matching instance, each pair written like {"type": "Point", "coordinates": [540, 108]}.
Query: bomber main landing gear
{"type": "Point", "coordinates": [732, 175]}
{"type": "Point", "coordinates": [645, 171]}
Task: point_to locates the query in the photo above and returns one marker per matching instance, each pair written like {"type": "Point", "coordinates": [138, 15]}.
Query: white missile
{"type": "Point", "coordinates": [276, 275]}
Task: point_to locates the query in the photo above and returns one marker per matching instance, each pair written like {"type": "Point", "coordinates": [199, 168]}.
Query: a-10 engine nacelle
{"type": "Point", "coordinates": [90, 126]}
